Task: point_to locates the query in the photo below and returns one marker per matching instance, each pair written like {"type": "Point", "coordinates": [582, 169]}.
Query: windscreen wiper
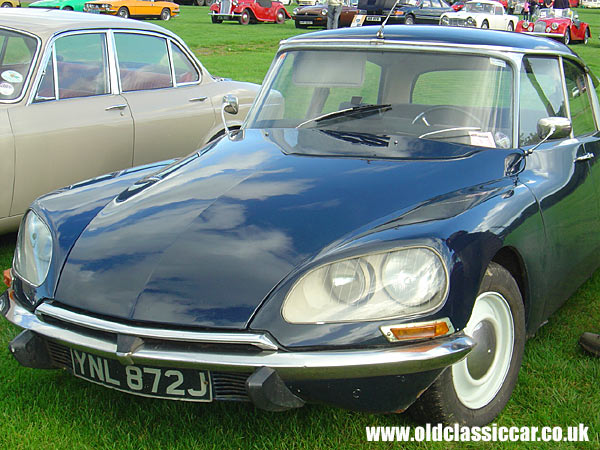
{"type": "Point", "coordinates": [355, 110]}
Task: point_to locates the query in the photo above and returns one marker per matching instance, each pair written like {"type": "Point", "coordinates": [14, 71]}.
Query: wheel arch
{"type": "Point", "coordinates": [510, 258]}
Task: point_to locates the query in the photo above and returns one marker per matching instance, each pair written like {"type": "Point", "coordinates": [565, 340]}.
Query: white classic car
{"type": "Point", "coordinates": [590, 3]}
{"type": "Point", "coordinates": [481, 14]}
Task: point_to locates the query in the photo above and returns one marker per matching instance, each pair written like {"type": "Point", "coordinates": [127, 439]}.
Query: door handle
{"type": "Point", "coordinates": [198, 99]}
{"type": "Point", "coordinates": [110, 108]}
{"type": "Point", "coordinates": [584, 157]}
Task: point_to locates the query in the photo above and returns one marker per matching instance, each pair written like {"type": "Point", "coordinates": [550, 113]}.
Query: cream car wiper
{"type": "Point", "coordinates": [360, 109]}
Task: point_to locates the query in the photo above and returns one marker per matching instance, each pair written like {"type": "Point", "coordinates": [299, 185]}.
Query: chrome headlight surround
{"type": "Point", "coordinates": [471, 22]}
{"type": "Point", "coordinates": [445, 20]}
{"type": "Point", "coordinates": [33, 252]}
{"type": "Point", "coordinates": [323, 12]}
{"type": "Point", "coordinates": [402, 282]}
{"type": "Point", "coordinates": [554, 26]}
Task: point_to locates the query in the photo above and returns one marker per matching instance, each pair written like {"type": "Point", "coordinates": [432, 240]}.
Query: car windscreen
{"type": "Point", "coordinates": [478, 7]}
{"type": "Point", "coordinates": [17, 52]}
{"type": "Point", "coordinates": [440, 96]}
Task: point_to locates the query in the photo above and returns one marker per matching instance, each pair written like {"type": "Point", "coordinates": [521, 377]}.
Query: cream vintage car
{"type": "Point", "coordinates": [83, 95]}
{"type": "Point", "coordinates": [481, 14]}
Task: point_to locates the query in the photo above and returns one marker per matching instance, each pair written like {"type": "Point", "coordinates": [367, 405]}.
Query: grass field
{"type": "Point", "coordinates": [558, 384]}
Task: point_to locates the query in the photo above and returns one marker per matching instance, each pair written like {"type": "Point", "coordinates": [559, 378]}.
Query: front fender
{"type": "Point", "coordinates": [491, 217]}
{"type": "Point", "coordinates": [68, 211]}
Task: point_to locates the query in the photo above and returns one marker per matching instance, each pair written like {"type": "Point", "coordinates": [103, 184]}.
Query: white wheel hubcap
{"type": "Point", "coordinates": [478, 378]}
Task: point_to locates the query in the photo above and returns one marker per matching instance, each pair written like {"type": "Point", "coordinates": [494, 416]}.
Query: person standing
{"type": "Point", "coordinates": [334, 9]}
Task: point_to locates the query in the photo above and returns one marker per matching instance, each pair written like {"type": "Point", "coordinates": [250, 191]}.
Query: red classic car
{"type": "Point", "coordinates": [316, 15]}
{"type": "Point", "coordinates": [246, 11]}
{"type": "Point", "coordinates": [562, 24]}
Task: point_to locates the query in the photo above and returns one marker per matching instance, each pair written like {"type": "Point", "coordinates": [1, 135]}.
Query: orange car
{"type": "Point", "coordinates": [134, 8]}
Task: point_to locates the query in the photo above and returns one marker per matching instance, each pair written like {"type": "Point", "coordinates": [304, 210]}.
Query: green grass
{"type": "Point", "coordinates": [558, 384]}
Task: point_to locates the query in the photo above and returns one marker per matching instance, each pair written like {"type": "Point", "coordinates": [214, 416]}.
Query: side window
{"type": "Point", "coordinates": [143, 62]}
{"type": "Point", "coordinates": [582, 118]}
{"type": "Point", "coordinates": [541, 95]}
{"type": "Point", "coordinates": [46, 89]}
{"type": "Point", "coordinates": [81, 65]}
{"type": "Point", "coordinates": [185, 71]}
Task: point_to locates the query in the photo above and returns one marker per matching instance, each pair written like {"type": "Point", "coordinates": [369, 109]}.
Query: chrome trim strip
{"type": "Point", "coordinates": [258, 340]}
{"type": "Point", "coordinates": [368, 42]}
{"type": "Point", "coordinates": [325, 364]}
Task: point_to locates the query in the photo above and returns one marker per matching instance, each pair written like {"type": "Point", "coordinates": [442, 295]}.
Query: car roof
{"type": "Point", "coordinates": [47, 22]}
{"type": "Point", "coordinates": [444, 36]}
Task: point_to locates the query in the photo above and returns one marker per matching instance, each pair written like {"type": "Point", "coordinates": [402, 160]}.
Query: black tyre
{"type": "Point", "coordinates": [245, 17]}
{"type": "Point", "coordinates": [280, 17]}
{"type": "Point", "coordinates": [587, 36]}
{"type": "Point", "coordinates": [68, 8]}
{"type": "Point", "coordinates": [511, 26]}
{"type": "Point", "coordinates": [485, 24]}
{"type": "Point", "coordinates": [123, 12]}
{"type": "Point", "coordinates": [215, 19]}
{"type": "Point", "coordinates": [165, 14]}
{"type": "Point", "coordinates": [410, 20]}
{"type": "Point", "coordinates": [472, 392]}
{"type": "Point", "coordinates": [567, 37]}
{"type": "Point", "coordinates": [6, 5]}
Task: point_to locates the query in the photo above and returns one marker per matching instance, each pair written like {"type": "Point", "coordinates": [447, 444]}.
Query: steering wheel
{"type": "Point", "coordinates": [422, 115]}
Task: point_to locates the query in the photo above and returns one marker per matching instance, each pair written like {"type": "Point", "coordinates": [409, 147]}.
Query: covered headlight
{"type": "Point", "coordinates": [402, 282]}
{"type": "Point", "coordinates": [34, 250]}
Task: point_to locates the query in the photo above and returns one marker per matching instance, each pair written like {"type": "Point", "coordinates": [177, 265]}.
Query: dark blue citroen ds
{"type": "Point", "coordinates": [369, 239]}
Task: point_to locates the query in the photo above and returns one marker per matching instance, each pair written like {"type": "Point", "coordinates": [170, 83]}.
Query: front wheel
{"type": "Point", "coordinates": [511, 27]}
{"type": "Point", "coordinates": [165, 14]}
{"type": "Point", "coordinates": [485, 24]}
{"type": "Point", "coordinates": [123, 12]}
{"type": "Point", "coordinates": [587, 36]}
{"type": "Point", "coordinates": [475, 390]}
{"type": "Point", "coordinates": [245, 17]}
{"type": "Point", "coordinates": [6, 5]}
{"type": "Point", "coordinates": [410, 20]}
{"type": "Point", "coordinates": [567, 37]}
{"type": "Point", "coordinates": [280, 17]}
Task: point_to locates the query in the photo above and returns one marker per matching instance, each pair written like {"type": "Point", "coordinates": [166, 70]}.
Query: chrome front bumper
{"type": "Point", "coordinates": [175, 348]}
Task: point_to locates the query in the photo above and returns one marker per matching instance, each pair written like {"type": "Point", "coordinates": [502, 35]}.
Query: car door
{"type": "Point", "coordinates": [171, 106]}
{"type": "Point", "coordinates": [563, 177]}
{"type": "Point", "coordinates": [75, 127]}
{"type": "Point", "coordinates": [139, 7]}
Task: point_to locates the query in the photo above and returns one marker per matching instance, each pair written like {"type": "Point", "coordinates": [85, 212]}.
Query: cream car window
{"type": "Point", "coordinates": [185, 71]}
{"type": "Point", "coordinates": [79, 64]}
{"type": "Point", "coordinates": [143, 62]}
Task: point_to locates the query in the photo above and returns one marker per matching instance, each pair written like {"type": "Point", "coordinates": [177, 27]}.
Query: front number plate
{"type": "Point", "coordinates": [174, 384]}
{"type": "Point", "coordinates": [305, 22]}
{"type": "Point", "coordinates": [373, 19]}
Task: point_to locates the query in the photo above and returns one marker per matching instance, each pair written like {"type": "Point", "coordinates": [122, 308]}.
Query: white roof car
{"type": "Point", "coordinates": [481, 14]}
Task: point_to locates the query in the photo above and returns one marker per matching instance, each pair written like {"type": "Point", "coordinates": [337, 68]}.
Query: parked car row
{"type": "Point", "coordinates": [92, 114]}
{"type": "Point", "coordinates": [141, 9]}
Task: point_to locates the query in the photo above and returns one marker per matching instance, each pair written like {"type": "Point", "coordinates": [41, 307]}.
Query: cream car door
{"type": "Point", "coordinates": [171, 108]}
{"type": "Point", "coordinates": [74, 128]}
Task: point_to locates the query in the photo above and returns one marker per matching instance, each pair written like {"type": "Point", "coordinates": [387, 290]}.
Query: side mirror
{"type": "Point", "coordinates": [230, 105]}
{"type": "Point", "coordinates": [553, 128]}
